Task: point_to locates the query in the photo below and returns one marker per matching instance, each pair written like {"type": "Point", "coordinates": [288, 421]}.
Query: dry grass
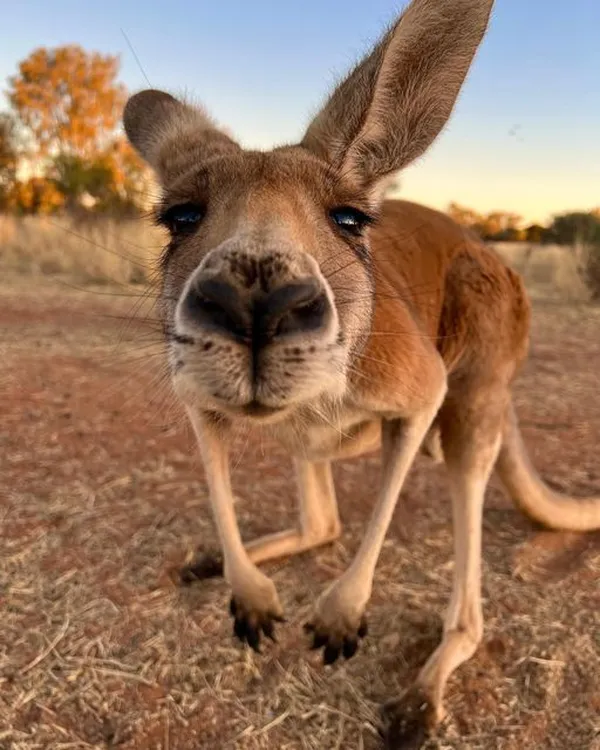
{"type": "Point", "coordinates": [550, 271]}
{"type": "Point", "coordinates": [112, 251]}
{"type": "Point", "coordinates": [100, 251]}
{"type": "Point", "coordinates": [103, 499]}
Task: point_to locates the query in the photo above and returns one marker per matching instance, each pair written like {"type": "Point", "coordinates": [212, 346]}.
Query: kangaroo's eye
{"type": "Point", "coordinates": [183, 218]}
{"type": "Point", "coordinates": [350, 220]}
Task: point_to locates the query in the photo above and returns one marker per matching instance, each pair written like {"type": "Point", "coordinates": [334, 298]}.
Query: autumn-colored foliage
{"type": "Point", "coordinates": [69, 99]}
{"type": "Point", "coordinates": [128, 175]}
{"type": "Point", "coordinates": [8, 156]}
{"type": "Point", "coordinates": [37, 195]}
{"type": "Point", "coordinates": [497, 225]}
{"type": "Point", "coordinates": [69, 102]}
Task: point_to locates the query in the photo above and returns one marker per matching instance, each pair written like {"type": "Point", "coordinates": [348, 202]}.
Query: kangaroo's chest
{"type": "Point", "coordinates": [320, 436]}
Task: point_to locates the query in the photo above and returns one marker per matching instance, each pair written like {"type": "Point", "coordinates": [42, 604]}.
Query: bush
{"type": "Point", "coordinates": [592, 270]}
{"type": "Point", "coordinates": [575, 228]}
{"type": "Point", "coordinates": [109, 183]}
{"type": "Point", "coordinates": [580, 230]}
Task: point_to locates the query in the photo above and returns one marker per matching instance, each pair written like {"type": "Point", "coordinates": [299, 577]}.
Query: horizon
{"type": "Point", "coordinates": [523, 136]}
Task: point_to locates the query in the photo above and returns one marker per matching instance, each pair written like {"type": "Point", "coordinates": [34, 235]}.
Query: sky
{"type": "Point", "coordinates": [524, 135]}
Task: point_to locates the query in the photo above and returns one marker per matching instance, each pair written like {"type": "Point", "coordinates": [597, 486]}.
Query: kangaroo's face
{"type": "Point", "coordinates": [266, 292]}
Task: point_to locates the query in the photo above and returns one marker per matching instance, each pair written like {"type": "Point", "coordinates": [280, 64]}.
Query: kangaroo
{"type": "Point", "coordinates": [296, 299]}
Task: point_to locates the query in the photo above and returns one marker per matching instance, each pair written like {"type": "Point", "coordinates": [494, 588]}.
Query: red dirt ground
{"type": "Point", "coordinates": [102, 499]}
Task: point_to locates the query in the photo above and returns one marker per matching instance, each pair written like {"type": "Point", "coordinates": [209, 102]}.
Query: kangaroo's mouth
{"type": "Point", "coordinates": [256, 408]}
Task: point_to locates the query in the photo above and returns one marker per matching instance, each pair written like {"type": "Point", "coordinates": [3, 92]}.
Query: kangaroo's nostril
{"type": "Point", "coordinates": [309, 316]}
{"type": "Point", "coordinates": [294, 308]}
{"type": "Point", "coordinates": [218, 306]}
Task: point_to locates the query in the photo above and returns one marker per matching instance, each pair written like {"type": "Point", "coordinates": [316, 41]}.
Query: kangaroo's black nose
{"type": "Point", "coordinates": [295, 308]}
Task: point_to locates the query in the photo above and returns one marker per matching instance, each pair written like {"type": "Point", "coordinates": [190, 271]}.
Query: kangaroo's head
{"type": "Point", "coordinates": [267, 290]}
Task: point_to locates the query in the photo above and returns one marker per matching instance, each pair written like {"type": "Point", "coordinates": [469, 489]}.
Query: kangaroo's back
{"type": "Point", "coordinates": [461, 292]}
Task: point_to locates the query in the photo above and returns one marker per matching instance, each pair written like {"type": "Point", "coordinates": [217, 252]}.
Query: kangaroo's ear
{"type": "Point", "coordinates": [170, 135]}
{"type": "Point", "coordinates": [392, 106]}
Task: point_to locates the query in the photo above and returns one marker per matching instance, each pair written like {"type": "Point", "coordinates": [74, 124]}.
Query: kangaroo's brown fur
{"type": "Point", "coordinates": [407, 337]}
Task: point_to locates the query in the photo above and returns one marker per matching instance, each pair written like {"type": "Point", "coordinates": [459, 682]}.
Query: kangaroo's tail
{"type": "Point", "coordinates": [532, 495]}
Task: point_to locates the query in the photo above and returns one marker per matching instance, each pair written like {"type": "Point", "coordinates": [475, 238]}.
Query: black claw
{"type": "Point", "coordinates": [253, 638]}
{"type": "Point", "coordinates": [408, 721]}
{"type": "Point", "coordinates": [363, 630]}
{"type": "Point", "coordinates": [186, 576]}
{"type": "Point", "coordinates": [350, 647]}
{"type": "Point", "coordinates": [240, 629]}
{"type": "Point", "coordinates": [330, 654]}
{"type": "Point", "coordinates": [248, 628]}
{"type": "Point", "coordinates": [319, 640]}
{"type": "Point", "coordinates": [334, 646]}
{"type": "Point", "coordinates": [206, 566]}
{"type": "Point", "coordinates": [268, 630]}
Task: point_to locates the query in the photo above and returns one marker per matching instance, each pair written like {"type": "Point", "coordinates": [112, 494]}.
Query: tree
{"type": "Point", "coordinates": [496, 225]}
{"type": "Point", "coordinates": [466, 217]}
{"type": "Point", "coordinates": [114, 179]}
{"type": "Point", "coordinates": [535, 233]}
{"type": "Point", "coordinates": [8, 155]}
{"type": "Point", "coordinates": [576, 228]}
{"type": "Point", "coordinates": [510, 234]}
{"type": "Point", "coordinates": [68, 99]}
{"type": "Point", "coordinates": [70, 103]}
{"type": "Point", "coordinates": [499, 225]}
